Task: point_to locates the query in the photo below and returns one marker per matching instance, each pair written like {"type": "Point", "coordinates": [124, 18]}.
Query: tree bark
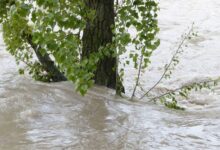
{"type": "Point", "coordinates": [46, 61]}
{"type": "Point", "coordinates": [98, 32]}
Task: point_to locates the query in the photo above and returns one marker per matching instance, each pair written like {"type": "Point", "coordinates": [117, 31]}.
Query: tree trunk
{"type": "Point", "coordinates": [98, 32]}
{"type": "Point", "coordinates": [46, 61]}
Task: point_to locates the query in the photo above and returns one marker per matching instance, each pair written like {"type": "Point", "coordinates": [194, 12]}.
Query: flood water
{"type": "Point", "coordinates": [40, 116]}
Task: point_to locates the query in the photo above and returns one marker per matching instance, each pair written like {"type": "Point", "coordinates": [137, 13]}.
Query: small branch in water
{"type": "Point", "coordinates": [171, 61]}
{"type": "Point", "coordinates": [191, 86]}
{"type": "Point", "coordinates": [138, 77]}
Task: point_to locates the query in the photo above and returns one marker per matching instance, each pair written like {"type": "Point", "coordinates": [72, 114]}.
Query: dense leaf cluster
{"type": "Point", "coordinates": [55, 28]}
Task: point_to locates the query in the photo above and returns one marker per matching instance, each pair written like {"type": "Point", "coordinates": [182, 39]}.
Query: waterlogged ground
{"type": "Point", "coordinates": [34, 115]}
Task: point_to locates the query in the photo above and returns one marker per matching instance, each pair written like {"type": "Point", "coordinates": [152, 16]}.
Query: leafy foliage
{"type": "Point", "coordinates": [137, 25]}
{"type": "Point", "coordinates": [56, 26]}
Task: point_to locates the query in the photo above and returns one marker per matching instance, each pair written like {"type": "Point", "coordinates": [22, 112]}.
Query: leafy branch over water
{"type": "Point", "coordinates": [184, 92]}
{"type": "Point", "coordinates": [169, 98]}
{"type": "Point", "coordinates": [174, 60]}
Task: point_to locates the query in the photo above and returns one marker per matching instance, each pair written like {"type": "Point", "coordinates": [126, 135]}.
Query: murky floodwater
{"type": "Point", "coordinates": [34, 115]}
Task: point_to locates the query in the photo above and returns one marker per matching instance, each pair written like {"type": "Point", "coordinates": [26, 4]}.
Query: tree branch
{"type": "Point", "coordinates": [183, 87]}
{"type": "Point", "coordinates": [171, 61]}
{"type": "Point", "coordinates": [46, 61]}
{"type": "Point", "coordinates": [138, 78]}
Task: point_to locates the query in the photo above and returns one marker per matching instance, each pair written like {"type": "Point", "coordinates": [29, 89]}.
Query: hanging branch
{"type": "Point", "coordinates": [178, 50]}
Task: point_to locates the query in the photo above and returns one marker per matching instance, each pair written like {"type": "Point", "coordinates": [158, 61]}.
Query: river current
{"type": "Point", "coordinates": [39, 116]}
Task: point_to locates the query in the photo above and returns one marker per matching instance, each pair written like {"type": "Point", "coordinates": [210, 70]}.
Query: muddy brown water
{"type": "Point", "coordinates": [40, 116]}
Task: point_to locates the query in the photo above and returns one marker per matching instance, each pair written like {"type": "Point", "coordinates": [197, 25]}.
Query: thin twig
{"type": "Point", "coordinates": [170, 63]}
{"type": "Point", "coordinates": [138, 77]}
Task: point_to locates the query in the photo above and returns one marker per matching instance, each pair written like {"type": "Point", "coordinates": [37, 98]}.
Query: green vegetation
{"type": "Point", "coordinates": [81, 40]}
